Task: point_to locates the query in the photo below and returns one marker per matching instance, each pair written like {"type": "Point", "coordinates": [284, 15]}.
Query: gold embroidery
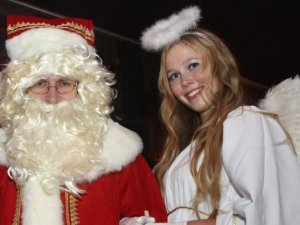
{"type": "Point", "coordinates": [71, 26]}
{"type": "Point", "coordinates": [72, 217]}
{"type": "Point", "coordinates": [67, 208]}
{"type": "Point", "coordinates": [17, 215]}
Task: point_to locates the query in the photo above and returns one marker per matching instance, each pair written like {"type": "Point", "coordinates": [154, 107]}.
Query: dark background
{"type": "Point", "coordinates": [264, 36]}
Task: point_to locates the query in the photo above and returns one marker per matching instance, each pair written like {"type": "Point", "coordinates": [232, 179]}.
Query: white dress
{"type": "Point", "coordinates": [260, 177]}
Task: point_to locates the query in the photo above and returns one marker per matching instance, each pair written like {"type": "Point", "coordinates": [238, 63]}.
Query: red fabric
{"type": "Point", "coordinates": [124, 194]}
{"type": "Point", "coordinates": [8, 196]}
{"type": "Point", "coordinates": [17, 24]}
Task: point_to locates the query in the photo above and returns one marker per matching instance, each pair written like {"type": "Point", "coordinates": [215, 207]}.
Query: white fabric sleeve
{"type": "Point", "coordinates": [263, 170]}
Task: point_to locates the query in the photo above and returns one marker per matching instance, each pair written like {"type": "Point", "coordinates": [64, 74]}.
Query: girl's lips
{"type": "Point", "coordinates": [193, 94]}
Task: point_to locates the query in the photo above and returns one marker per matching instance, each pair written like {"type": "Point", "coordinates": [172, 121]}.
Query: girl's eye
{"type": "Point", "coordinates": [193, 65]}
{"type": "Point", "coordinates": [173, 76]}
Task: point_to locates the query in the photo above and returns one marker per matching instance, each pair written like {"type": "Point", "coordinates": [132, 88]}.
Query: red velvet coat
{"type": "Point", "coordinates": [121, 194]}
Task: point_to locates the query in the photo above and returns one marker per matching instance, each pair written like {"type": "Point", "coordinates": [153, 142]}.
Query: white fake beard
{"type": "Point", "coordinates": [57, 143]}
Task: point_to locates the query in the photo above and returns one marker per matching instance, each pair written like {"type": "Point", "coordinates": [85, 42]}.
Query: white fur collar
{"type": "Point", "coordinates": [120, 147]}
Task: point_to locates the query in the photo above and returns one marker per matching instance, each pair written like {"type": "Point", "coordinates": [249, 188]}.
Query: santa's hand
{"type": "Point", "coordinates": [142, 220]}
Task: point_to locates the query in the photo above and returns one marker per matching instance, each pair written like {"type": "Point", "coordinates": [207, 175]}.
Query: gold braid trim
{"type": "Point", "coordinates": [234, 220]}
{"type": "Point", "coordinates": [189, 208]}
{"type": "Point", "coordinates": [70, 26]}
{"type": "Point", "coordinates": [72, 217]}
{"type": "Point", "coordinates": [200, 212]}
{"type": "Point", "coordinates": [17, 216]}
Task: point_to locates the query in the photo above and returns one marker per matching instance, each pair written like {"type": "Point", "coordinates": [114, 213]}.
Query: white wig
{"type": "Point", "coordinates": [95, 96]}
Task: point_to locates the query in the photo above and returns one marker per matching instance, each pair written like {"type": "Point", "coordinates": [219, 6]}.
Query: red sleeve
{"type": "Point", "coordinates": [140, 191]}
{"type": "Point", "coordinates": [7, 198]}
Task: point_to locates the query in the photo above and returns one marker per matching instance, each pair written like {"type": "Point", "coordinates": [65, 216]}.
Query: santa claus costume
{"type": "Point", "coordinates": [66, 163]}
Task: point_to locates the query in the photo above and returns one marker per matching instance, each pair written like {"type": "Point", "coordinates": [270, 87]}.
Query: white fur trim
{"type": "Point", "coordinates": [42, 40]}
{"type": "Point", "coordinates": [120, 147]}
{"type": "Point", "coordinates": [40, 207]}
{"type": "Point", "coordinates": [284, 100]}
{"type": "Point", "coordinates": [166, 31]}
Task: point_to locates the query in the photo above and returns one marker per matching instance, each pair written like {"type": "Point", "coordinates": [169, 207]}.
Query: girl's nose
{"type": "Point", "coordinates": [186, 80]}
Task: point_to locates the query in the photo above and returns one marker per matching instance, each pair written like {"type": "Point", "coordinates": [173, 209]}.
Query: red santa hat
{"type": "Point", "coordinates": [30, 35]}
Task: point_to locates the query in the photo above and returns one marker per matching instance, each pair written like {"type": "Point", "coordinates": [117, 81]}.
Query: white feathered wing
{"type": "Point", "coordinates": [284, 100]}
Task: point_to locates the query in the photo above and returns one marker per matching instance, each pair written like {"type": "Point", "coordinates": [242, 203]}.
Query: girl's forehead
{"type": "Point", "coordinates": [182, 54]}
{"type": "Point", "coordinates": [182, 51]}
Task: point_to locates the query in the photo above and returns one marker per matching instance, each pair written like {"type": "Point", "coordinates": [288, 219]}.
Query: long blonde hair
{"type": "Point", "coordinates": [184, 125]}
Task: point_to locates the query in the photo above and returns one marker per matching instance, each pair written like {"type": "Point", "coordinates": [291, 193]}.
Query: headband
{"type": "Point", "coordinates": [167, 31]}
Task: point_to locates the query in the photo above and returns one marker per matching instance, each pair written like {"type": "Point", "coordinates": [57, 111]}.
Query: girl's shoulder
{"type": "Point", "coordinates": [251, 119]}
{"type": "Point", "coordinates": [245, 110]}
{"type": "Point", "coordinates": [246, 114]}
